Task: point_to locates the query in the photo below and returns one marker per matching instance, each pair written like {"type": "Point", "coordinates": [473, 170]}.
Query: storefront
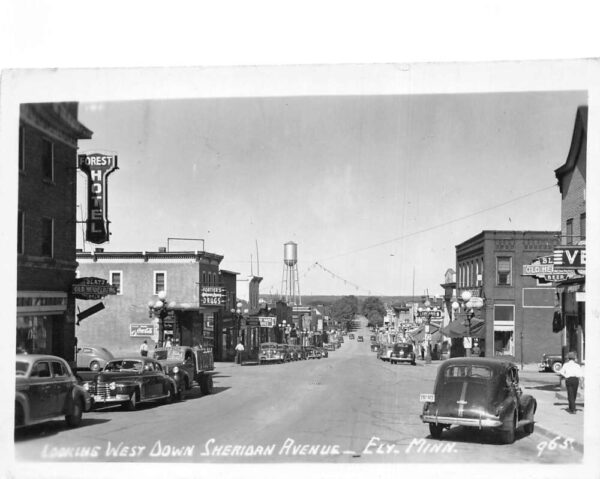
{"type": "Point", "coordinates": [572, 316]}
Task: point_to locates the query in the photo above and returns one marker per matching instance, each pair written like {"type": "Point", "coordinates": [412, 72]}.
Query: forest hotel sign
{"type": "Point", "coordinates": [97, 167]}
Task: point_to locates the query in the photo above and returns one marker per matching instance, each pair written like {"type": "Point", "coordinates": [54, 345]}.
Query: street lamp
{"type": "Point", "coordinates": [237, 313]}
{"type": "Point", "coordinates": [162, 309]}
{"type": "Point", "coordinates": [469, 313]}
{"type": "Point", "coordinates": [427, 333]}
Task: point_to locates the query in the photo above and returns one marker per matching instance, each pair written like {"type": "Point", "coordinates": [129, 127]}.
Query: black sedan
{"type": "Point", "coordinates": [481, 393]}
{"type": "Point", "coordinates": [129, 381]}
{"type": "Point", "coordinates": [403, 353]}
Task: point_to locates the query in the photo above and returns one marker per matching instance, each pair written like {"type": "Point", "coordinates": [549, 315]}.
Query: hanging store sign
{"type": "Point", "coordinates": [429, 314]}
{"type": "Point", "coordinates": [266, 321]}
{"type": "Point", "coordinates": [546, 271]}
{"type": "Point", "coordinates": [92, 288]}
{"type": "Point", "coordinates": [97, 166]}
{"type": "Point", "coordinates": [570, 257]}
{"type": "Point", "coordinates": [212, 296]}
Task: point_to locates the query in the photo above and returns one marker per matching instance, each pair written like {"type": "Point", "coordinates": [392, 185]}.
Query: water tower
{"type": "Point", "coordinates": [290, 284]}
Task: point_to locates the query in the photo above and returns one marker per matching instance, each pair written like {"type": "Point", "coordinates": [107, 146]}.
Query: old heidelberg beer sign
{"type": "Point", "coordinates": [97, 167]}
{"type": "Point", "coordinates": [92, 288]}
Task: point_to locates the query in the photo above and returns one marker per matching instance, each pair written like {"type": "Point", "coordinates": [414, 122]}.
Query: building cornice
{"type": "Point", "coordinates": [55, 121]}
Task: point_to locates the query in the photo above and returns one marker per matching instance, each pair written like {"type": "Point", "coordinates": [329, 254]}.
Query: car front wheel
{"type": "Point", "coordinates": [435, 430]}
{"type": "Point", "coordinates": [132, 403]}
{"type": "Point", "coordinates": [74, 419]}
{"type": "Point", "coordinates": [94, 365]}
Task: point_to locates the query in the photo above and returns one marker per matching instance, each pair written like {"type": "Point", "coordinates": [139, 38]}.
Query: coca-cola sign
{"type": "Point", "coordinates": [136, 330]}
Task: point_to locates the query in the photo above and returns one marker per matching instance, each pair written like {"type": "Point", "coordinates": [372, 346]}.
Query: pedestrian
{"type": "Point", "coordinates": [144, 348]}
{"type": "Point", "coordinates": [168, 343]}
{"type": "Point", "coordinates": [572, 372]}
{"type": "Point", "coordinates": [239, 349]}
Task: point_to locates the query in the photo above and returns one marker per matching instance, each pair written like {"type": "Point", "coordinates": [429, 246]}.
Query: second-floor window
{"type": "Point", "coordinates": [569, 231]}
{"type": "Point", "coordinates": [504, 270]}
{"type": "Point", "coordinates": [160, 281]}
{"type": "Point", "coordinates": [48, 160]}
{"type": "Point", "coordinates": [21, 233]}
{"type": "Point", "coordinates": [47, 237]}
{"type": "Point", "coordinates": [116, 280]}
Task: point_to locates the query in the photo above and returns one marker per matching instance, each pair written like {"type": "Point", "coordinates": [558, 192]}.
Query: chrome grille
{"type": "Point", "coordinates": [100, 389]}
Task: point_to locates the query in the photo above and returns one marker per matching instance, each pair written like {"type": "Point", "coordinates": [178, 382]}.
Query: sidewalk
{"type": "Point", "coordinates": [552, 418]}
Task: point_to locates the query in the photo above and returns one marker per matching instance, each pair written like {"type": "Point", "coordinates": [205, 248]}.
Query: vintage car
{"type": "Point", "coordinates": [270, 353]}
{"type": "Point", "coordinates": [187, 365]}
{"type": "Point", "coordinates": [329, 346]}
{"type": "Point", "coordinates": [551, 362]}
{"type": "Point", "coordinates": [129, 381]}
{"type": "Point", "coordinates": [360, 339]}
{"type": "Point", "coordinates": [92, 357]}
{"type": "Point", "coordinates": [351, 336]}
{"type": "Point", "coordinates": [373, 338]}
{"type": "Point", "coordinates": [47, 389]}
{"type": "Point", "coordinates": [323, 352]}
{"type": "Point", "coordinates": [375, 347]}
{"type": "Point", "coordinates": [312, 352]}
{"type": "Point", "coordinates": [403, 353]}
{"type": "Point", "coordinates": [385, 351]}
{"type": "Point", "coordinates": [481, 393]}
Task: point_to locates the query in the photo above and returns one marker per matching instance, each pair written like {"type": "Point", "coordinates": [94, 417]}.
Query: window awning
{"type": "Point", "coordinates": [459, 328]}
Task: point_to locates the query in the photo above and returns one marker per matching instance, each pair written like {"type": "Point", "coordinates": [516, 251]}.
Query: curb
{"type": "Point", "coordinates": [552, 434]}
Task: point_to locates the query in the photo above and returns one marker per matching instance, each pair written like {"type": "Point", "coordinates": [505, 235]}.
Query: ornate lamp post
{"type": "Point", "coordinates": [161, 309]}
{"type": "Point", "coordinates": [237, 314]}
{"type": "Point", "coordinates": [469, 313]}
{"type": "Point", "coordinates": [427, 333]}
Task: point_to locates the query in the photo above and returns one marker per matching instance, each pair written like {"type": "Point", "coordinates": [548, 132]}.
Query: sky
{"type": "Point", "coordinates": [376, 190]}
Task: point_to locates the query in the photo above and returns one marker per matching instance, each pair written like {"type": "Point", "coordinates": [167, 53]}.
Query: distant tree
{"type": "Point", "coordinates": [371, 304]}
{"type": "Point", "coordinates": [375, 319]}
{"type": "Point", "coordinates": [344, 309]}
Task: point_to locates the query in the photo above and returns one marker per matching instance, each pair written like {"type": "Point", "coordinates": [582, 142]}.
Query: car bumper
{"type": "Point", "coordinates": [544, 367]}
{"type": "Point", "coordinates": [269, 359]}
{"type": "Point", "coordinates": [480, 423]}
{"type": "Point", "coordinates": [100, 400]}
{"type": "Point", "coordinates": [405, 360]}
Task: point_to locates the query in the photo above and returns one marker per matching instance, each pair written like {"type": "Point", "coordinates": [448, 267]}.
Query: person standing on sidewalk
{"type": "Point", "coordinates": [144, 348]}
{"type": "Point", "coordinates": [239, 349]}
{"type": "Point", "coordinates": [571, 371]}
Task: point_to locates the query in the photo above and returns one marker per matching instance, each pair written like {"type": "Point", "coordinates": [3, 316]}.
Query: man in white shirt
{"type": "Point", "coordinates": [239, 349]}
{"type": "Point", "coordinates": [144, 348]}
{"type": "Point", "coordinates": [572, 372]}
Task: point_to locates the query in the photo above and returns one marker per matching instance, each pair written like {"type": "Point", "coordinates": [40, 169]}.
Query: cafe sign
{"type": "Point", "coordinates": [266, 321]}
{"type": "Point", "coordinates": [97, 166]}
{"type": "Point", "coordinates": [92, 288]}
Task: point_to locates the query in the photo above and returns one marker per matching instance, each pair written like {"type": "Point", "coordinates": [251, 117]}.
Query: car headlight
{"type": "Point", "coordinates": [112, 386]}
{"type": "Point", "coordinates": [175, 369]}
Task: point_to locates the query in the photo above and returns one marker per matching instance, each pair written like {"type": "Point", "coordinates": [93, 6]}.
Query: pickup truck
{"type": "Point", "coordinates": [187, 366]}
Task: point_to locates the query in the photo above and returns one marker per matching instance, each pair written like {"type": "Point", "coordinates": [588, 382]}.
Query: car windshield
{"type": "Point", "coordinates": [124, 365]}
{"type": "Point", "coordinates": [468, 370]}
{"type": "Point", "coordinates": [22, 367]}
{"type": "Point", "coordinates": [268, 346]}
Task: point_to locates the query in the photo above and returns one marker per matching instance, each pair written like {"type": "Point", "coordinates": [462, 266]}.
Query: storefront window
{"type": "Point", "coordinates": [34, 334]}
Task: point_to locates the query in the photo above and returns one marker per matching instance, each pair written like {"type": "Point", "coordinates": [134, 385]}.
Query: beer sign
{"type": "Point", "coordinates": [97, 167]}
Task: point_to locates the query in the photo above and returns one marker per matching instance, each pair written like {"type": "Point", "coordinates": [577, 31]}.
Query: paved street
{"type": "Point", "coordinates": [347, 408]}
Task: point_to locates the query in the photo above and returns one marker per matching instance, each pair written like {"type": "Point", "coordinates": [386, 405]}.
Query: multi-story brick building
{"type": "Point", "coordinates": [187, 279]}
{"type": "Point", "coordinates": [48, 141]}
{"type": "Point", "coordinates": [517, 309]}
{"type": "Point", "coordinates": [571, 178]}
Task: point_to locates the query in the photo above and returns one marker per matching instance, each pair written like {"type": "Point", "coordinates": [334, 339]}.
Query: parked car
{"type": "Point", "coordinates": [351, 336]}
{"type": "Point", "coordinates": [551, 362]}
{"type": "Point", "coordinates": [375, 348]}
{"type": "Point", "coordinates": [403, 353]}
{"type": "Point", "coordinates": [187, 365]}
{"type": "Point", "coordinates": [373, 338]}
{"type": "Point", "coordinates": [329, 346]}
{"type": "Point", "coordinates": [481, 393]}
{"type": "Point", "coordinates": [360, 339]}
{"type": "Point", "coordinates": [385, 351]}
{"type": "Point", "coordinates": [270, 353]}
{"type": "Point", "coordinates": [93, 357]}
{"type": "Point", "coordinates": [47, 389]}
{"type": "Point", "coordinates": [129, 381]}
{"type": "Point", "coordinates": [312, 353]}
{"type": "Point", "coordinates": [285, 352]}
{"type": "Point", "coordinates": [323, 352]}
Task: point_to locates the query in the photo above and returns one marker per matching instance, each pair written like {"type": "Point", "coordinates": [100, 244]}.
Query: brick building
{"type": "Point", "coordinates": [571, 178]}
{"type": "Point", "coordinates": [192, 284]}
{"type": "Point", "coordinates": [47, 201]}
{"type": "Point", "coordinates": [516, 309]}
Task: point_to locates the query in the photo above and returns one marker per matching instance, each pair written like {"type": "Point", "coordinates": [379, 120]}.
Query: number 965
{"type": "Point", "coordinates": [554, 444]}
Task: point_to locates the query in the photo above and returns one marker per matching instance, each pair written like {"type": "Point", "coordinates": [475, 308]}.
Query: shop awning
{"type": "Point", "coordinates": [459, 328]}
{"type": "Point", "coordinates": [419, 333]}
